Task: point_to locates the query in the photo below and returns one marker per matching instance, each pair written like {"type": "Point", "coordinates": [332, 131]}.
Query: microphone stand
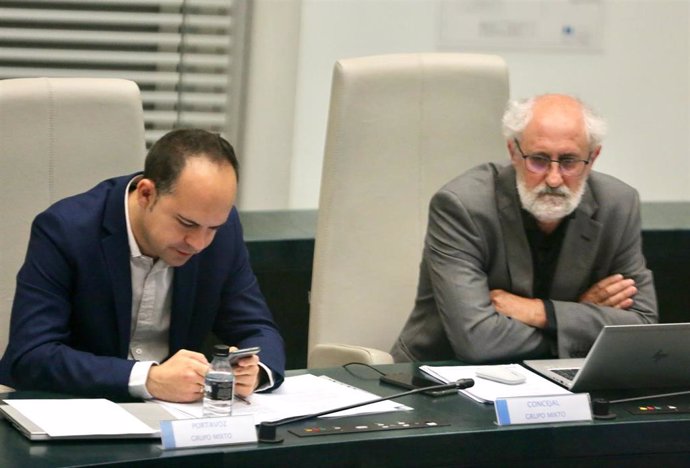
{"type": "Point", "coordinates": [268, 429]}
{"type": "Point", "coordinates": [649, 397]}
{"type": "Point", "coordinates": [601, 406]}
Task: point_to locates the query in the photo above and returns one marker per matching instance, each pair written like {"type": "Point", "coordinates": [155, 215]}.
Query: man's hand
{"type": "Point", "coordinates": [180, 378]}
{"type": "Point", "coordinates": [246, 372]}
{"type": "Point", "coordinates": [529, 311]}
{"type": "Point", "coordinates": [613, 291]}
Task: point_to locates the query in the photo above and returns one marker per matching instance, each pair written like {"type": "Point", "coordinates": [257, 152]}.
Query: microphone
{"type": "Point", "coordinates": [268, 429]}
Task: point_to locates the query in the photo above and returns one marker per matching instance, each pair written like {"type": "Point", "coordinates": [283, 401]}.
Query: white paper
{"type": "Point", "coordinates": [299, 395]}
{"type": "Point", "coordinates": [80, 417]}
{"type": "Point", "coordinates": [486, 391]}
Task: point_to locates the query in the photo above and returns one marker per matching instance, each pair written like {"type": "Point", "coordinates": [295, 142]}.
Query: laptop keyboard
{"type": "Point", "coordinates": [566, 373]}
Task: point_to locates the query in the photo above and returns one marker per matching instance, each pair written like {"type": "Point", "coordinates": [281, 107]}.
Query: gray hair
{"type": "Point", "coordinates": [518, 113]}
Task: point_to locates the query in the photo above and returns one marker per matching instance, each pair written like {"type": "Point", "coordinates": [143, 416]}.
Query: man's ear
{"type": "Point", "coordinates": [595, 154]}
{"type": "Point", "coordinates": [146, 193]}
{"type": "Point", "coordinates": [510, 144]}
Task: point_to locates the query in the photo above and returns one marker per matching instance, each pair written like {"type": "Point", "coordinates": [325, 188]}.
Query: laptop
{"type": "Point", "coordinates": [149, 413]}
{"type": "Point", "coordinates": [626, 357]}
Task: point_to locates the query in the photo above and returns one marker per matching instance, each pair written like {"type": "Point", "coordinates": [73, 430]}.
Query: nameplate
{"type": "Point", "coordinates": [198, 432]}
{"type": "Point", "coordinates": [543, 409]}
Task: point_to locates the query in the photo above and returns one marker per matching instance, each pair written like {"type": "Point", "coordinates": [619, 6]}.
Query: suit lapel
{"type": "Point", "coordinates": [579, 249]}
{"type": "Point", "coordinates": [116, 251]}
{"type": "Point", "coordinates": [184, 290]}
{"type": "Point", "coordinates": [518, 257]}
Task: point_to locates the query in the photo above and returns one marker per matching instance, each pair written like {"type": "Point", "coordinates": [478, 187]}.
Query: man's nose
{"type": "Point", "coordinates": [554, 178]}
{"type": "Point", "coordinates": [199, 239]}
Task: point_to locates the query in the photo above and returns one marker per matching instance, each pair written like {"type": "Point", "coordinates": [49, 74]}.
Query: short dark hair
{"type": "Point", "coordinates": [168, 156]}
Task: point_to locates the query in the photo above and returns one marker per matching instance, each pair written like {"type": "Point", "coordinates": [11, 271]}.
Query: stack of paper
{"type": "Point", "coordinates": [82, 418]}
{"type": "Point", "coordinates": [486, 391]}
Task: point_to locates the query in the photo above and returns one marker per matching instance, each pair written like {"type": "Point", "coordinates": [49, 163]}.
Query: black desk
{"type": "Point", "coordinates": [281, 247]}
{"type": "Point", "coordinates": [472, 439]}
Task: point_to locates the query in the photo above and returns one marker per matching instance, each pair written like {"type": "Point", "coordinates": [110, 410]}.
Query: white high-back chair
{"type": "Point", "coordinates": [58, 137]}
{"type": "Point", "coordinates": [399, 127]}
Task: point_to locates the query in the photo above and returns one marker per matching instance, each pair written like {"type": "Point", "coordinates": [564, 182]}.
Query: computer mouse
{"type": "Point", "coordinates": [500, 374]}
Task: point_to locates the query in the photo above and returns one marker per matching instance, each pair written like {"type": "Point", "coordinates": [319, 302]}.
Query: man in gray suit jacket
{"type": "Point", "coordinates": [532, 259]}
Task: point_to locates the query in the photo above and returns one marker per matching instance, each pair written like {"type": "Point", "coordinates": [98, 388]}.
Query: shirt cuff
{"type": "Point", "coordinates": [137, 379]}
{"type": "Point", "coordinates": [269, 374]}
{"type": "Point", "coordinates": [551, 324]}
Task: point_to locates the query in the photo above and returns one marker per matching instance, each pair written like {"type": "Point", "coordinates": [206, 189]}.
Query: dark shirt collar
{"type": "Point", "coordinates": [531, 223]}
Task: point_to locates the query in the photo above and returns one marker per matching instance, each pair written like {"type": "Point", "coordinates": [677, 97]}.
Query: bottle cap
{"type": "Point", "coordinates": [221, 350]}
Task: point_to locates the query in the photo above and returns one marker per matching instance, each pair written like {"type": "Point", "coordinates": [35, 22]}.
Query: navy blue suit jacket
{"type": "Point", "coordinates": [71, 316]}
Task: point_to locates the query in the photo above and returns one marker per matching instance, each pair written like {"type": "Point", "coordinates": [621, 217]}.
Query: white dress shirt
{"type": "Point", "coordinates": [151, 302]}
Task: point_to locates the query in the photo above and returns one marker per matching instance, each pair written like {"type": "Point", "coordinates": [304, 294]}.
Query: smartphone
{"type": "Point", "coordinates": [240, 353]}
{"type": "Point", "coordinates": [413, 381]}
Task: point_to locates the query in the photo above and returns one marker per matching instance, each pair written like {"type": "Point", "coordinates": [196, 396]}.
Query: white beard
{"type": "Point", "coordinates": [548, 204]}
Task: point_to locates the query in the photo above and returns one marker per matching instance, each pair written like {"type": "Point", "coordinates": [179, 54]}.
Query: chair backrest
{"type": "Point", "coordinates": [399, 127]}
{"type": "Point", "coordinates": [58, 137]}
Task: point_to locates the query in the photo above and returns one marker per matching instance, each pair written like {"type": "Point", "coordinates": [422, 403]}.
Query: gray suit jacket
{"type": "Point", "coordinates": [476, 242]}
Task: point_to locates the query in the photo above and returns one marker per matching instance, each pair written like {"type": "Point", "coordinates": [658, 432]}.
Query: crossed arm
{"type": "Point", "coordinates": [613, 291]}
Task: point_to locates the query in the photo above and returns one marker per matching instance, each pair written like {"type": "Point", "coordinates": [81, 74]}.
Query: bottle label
{"type": "Point", "coordinates": [219, 390]}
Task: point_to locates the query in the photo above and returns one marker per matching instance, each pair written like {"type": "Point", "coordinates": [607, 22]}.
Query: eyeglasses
{"type": "Point", "coordinates": [540, 163]}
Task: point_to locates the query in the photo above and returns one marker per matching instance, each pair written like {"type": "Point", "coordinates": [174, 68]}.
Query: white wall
{"type": "Point", "coordinates": [640, 82]}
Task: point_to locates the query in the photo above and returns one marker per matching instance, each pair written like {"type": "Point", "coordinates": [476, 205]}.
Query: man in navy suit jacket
{"type": "Point", "coordinates": [121, 284]}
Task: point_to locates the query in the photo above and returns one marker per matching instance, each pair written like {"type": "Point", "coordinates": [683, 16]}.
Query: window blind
{"type": "Point", "coordinates": [185, 55]}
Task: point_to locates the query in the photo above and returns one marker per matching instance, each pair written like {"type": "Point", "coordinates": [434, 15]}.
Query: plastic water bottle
{"type": "Point", "coordinates": [219, 385]}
